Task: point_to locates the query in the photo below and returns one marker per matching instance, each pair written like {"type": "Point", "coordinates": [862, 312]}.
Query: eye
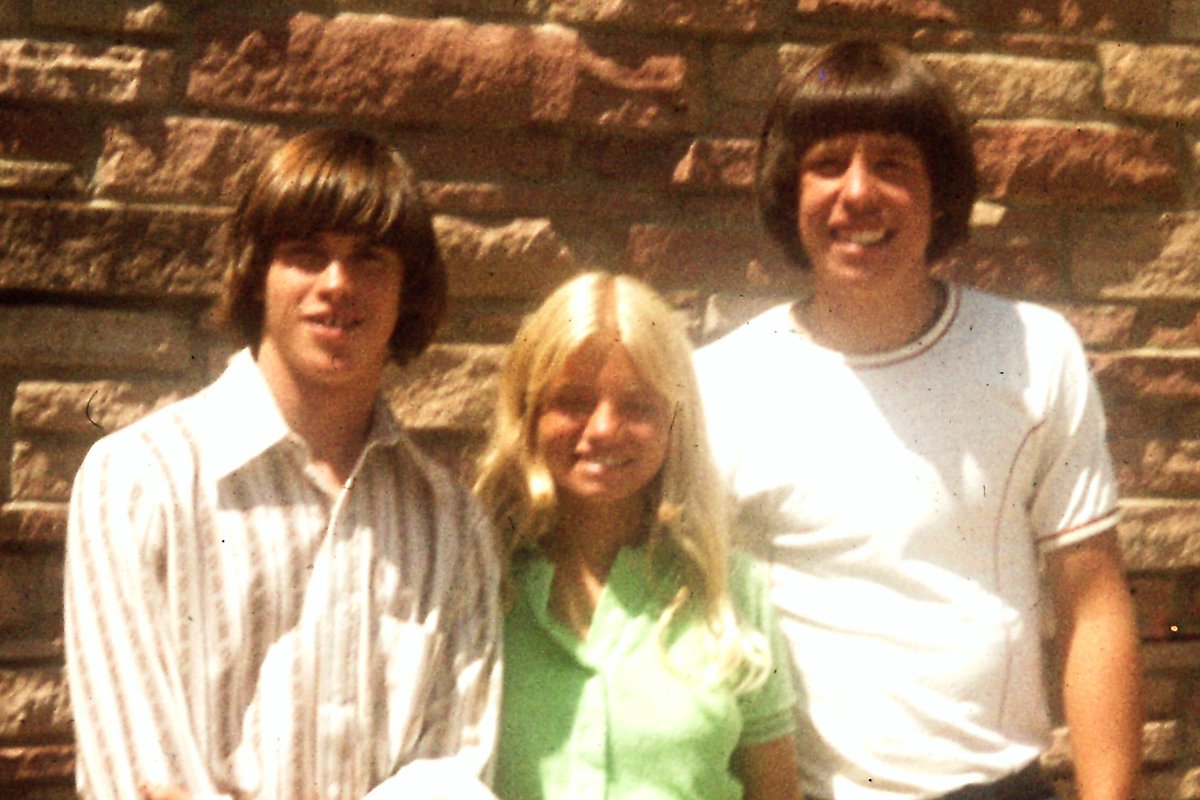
{"type": "Point", "coordinates": [302, 255]}
{"type": "Point", "coordinates": [572, 402]}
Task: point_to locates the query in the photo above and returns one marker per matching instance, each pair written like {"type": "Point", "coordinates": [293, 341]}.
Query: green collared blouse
{"type": "Point", "coordinates": [607, 717]}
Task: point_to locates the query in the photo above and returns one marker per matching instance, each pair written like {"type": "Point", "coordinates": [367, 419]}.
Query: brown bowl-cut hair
{"type": "Point", "coordinates": [855, 86]}
{"type": "Point", "coordinates": [335, 180]}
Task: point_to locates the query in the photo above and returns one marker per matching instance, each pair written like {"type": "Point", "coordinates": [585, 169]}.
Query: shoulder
{"type": "Point", "coordinates": [749, 584]}
{"type": "Point", "coordinates": [164, 438]}
{"type": "Point", "coordinates": [998, 316]}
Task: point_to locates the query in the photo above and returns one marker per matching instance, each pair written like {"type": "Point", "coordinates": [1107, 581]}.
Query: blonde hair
{"type": "Point", "coordinates": [688, 528]}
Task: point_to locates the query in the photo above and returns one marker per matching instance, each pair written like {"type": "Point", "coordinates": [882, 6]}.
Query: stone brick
{"type": "Point", "coordinates": [1048, 45]}
{"type": "Point", "coordinates": [37, 762]}
{"type": "Point", "coordinates": [90, 409]}
{"type": "Point", "coordinates": [31, 595]}
{"type": "Point", "coordinates": [119, 16]}
{"type": "Point", "coordinates": [1137, 256]}
{"type": "Point", "coordinates": [1160, 535]}
{"type": "Point", "coordinates": [524, 258]}
{"type": "Point", "coordinates": [1085, 165]}
{"type": "Point", "coordinates": [1161, 744]}
{"type": "Point", "coordinates": [439, 71]}
{"type": "Point", "coordinates": [199, 160]}
{"type": "Point", "coordinates": [1107, 326]}
{"type": "Point", "coordinates": [1154, 603]}
{"type": "Point", "coordinates": [44, 472]}
{"type": "Point", "coordinates": [42, 179]}
{"type": "Point", "coordinates": [1105, 17]}
{"type": "Point", "coordinates": [76, 73]}
{"type": "Point", "coordinates": [1178, 330]}
{"type": "Point", "coordinates": [699, 16]}
{"type": "Point", "coordinates": [10, 12]}
{"type": "Point", "coordinates": [1026, 269]}
{"type": "Point", "coordinates": [1154, 81]}
{"type": "Point", "coordinates": [717, 164]}
{"type": "Point", "coordinates": [34, 702]}
{"type": "Point", "coordinates": [1189, 785]}
{"type": "Point", "coordinates": [745, 74]}
{"type": "Point", "coordinates": [1184, 19]}
{"type": "Point", "coordinates": [33, 523]}
{"type": "Point", "coordinates": [1158, 466]}
{"type": "Point", "coordinates": [492, 199]}
{"type": "Point", "coordinates": [1004, 86]}
{"type": "Point", "coordinates": [1160, 695]}
{"type": "Point", "coordinates": [477, 154]}
{"type": "Point", "coordinates": [107, 249]}
{"type": "Point", "coordinates": [675, 257]}
{"type": "Point", "coordinates": [451, 387]}
{"type": "Point", "coordinates": [630, 162]}
{"type": "Point", "coordinates": [50, 337]}
{"type": "Point", "coordinates": [922, 11]}
{"type": "Point", "coordinates": [43, 134]}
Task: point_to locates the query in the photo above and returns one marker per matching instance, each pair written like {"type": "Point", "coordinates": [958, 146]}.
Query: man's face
{"type": "Point", "coordinates": [865, 208]}
{"type": "Point", "coordinates": [330, 304]}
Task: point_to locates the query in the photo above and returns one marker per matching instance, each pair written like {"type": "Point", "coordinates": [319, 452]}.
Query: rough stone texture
{"type": "Point", "coordinates": [35, 178]}
{"type": "Point", "coordinates": [741, 79]}
{"type": "Point", "coordinates": [88, 409]}
{"type": "Point", "coordinates": [1107, 326]}
{"type": "Point", "coordinates": [673, 257]}
{"type": "Point", "coordinates": [32, 523]}
{"type": "Point", "coordinates": [1185, 19]}
{"type": "Point", "coordinates": [197, 160]}
{"type": "Point", "coordinates": [523, 258]}
{"type": "Point", "coordinates": [1158, 466]}
{"type": "Point", "coordinates": [33, 701]}
{"type": "Point", "coordinates": [716, 16]}
{"type": "Point", "coordinates": [40, 763]}
{"type": "Point", "coordinates": [1152, 81]}
{"type": "Point", "coordinates": [71, 73]}
{"type": "Point", "coordinates": [924, 11]}
{"type": "Point", "coordinates": [123, 16]}
{"type": "Point", "coordinates": [1004, 86]}
{"type": "Point", "coordinates": [440, 71]}
{"type": "Point", "coordinates": [43, 134]}
{"type": "Point", "coordinates": [50, 337]}
{"type": "Point", "coordinates": [530, 155]}
{"type": "Point", "coordinates": [109, 249]}
{"type": "Point", "coordinates": [1160, 535]}
{"type": "Point", "coordinates": [30, 595]}
{"type": "Point", "coordinates": [717, 164]}
{"type": "Point", "coordinates": [1085, 165]}
{"type": "Point", "coordinates": [630, 162]}
{"type": "Point", "coordinates": [490, 199]}
{"type": "Point", "coordinates": [1174, 332]}
{"type": "Point", "coordinates": [10, 12]}
{"type": "Point", "coordinates": [451, 387]}
{"type": "Point", "coordinates": [1023, 269]}
{"type": "Point", "coordinates": [1137, 256]}
{"type": "Point", "coordinates": [1162, 377]}
{"type": "Point", "coordinates": [44, 472]}
{"type": "Point", "coordinates": [1114, 18]}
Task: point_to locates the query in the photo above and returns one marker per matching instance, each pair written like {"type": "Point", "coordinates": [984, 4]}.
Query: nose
{"type": "Point", "coordinates": [335, 278]}
{"type": "Point", "coordinates": [604, 422]}
{"type": "Point", "coordinates": [859, 181]}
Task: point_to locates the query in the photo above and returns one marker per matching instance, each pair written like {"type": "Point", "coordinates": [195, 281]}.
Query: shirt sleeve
{"type": "Point", "coordinates": [461, 716]}
{"type": "Point", "coordinates": [131, 718]}
{"type": "Point", "coordinates": [1075, 494]}
{"type": "Point", "coordinates": [768, 711]}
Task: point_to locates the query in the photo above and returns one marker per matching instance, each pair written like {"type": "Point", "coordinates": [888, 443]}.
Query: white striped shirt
{"type": "Point", "coordinates": [237, 630]}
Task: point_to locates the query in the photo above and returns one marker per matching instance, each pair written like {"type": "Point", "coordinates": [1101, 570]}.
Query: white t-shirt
{"type": "Point", "coordinates": [902, 500]}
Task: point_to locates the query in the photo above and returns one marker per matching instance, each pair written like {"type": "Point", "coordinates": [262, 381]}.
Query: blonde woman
{"type": "Point", "coordinates": [640, 661]}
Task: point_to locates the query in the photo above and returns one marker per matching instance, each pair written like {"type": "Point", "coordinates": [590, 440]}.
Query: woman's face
{"type": "Point", "coordinates": [865, 208]}
{"type": "Point", "coordinates": [602, 430]}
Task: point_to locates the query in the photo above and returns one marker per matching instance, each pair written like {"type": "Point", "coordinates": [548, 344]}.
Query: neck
{"type": "Point", "coordinates": [860, 322]}
{"type": "Point", "coordinates": [592, 537]}
{"type": "Point", "coordinates": [333, 421]}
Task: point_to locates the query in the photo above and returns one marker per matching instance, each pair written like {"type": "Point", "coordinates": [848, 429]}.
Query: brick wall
{"type": "Point", "coordinates": [554, 134]}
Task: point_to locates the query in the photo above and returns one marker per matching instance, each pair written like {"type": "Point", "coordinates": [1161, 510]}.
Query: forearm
{"type": "Point", "coordinates": [1102, 694]}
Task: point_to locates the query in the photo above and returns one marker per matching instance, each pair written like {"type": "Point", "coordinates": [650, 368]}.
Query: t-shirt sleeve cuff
{"type": "Point", "coordinates": [771, 726]}
{"type": "Point", "coordinates": [1075, 534]}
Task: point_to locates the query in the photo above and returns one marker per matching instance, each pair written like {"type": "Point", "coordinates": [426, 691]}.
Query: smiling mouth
{"type": "Point", "coordinates": [336, 323]}
{"type": "Point", "coordinates": [605, 462]}
{"type": "Point", "coordinates": [862, 238]}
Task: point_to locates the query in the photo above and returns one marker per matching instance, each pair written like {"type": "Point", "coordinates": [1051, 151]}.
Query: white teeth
{"type": "Point", "coordinates": [865, 237]}
{"type": "Point", "coordinates": [607, 463]}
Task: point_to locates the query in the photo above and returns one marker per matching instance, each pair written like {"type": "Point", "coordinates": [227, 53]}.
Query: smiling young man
{"type": "Point", "coordinates": [913, 458]}
{"type": "Point", "coordinates": [270, 592]}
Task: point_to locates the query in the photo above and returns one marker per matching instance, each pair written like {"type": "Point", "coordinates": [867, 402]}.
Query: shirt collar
{"type": "Point", "coordinates": [247, 421]}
